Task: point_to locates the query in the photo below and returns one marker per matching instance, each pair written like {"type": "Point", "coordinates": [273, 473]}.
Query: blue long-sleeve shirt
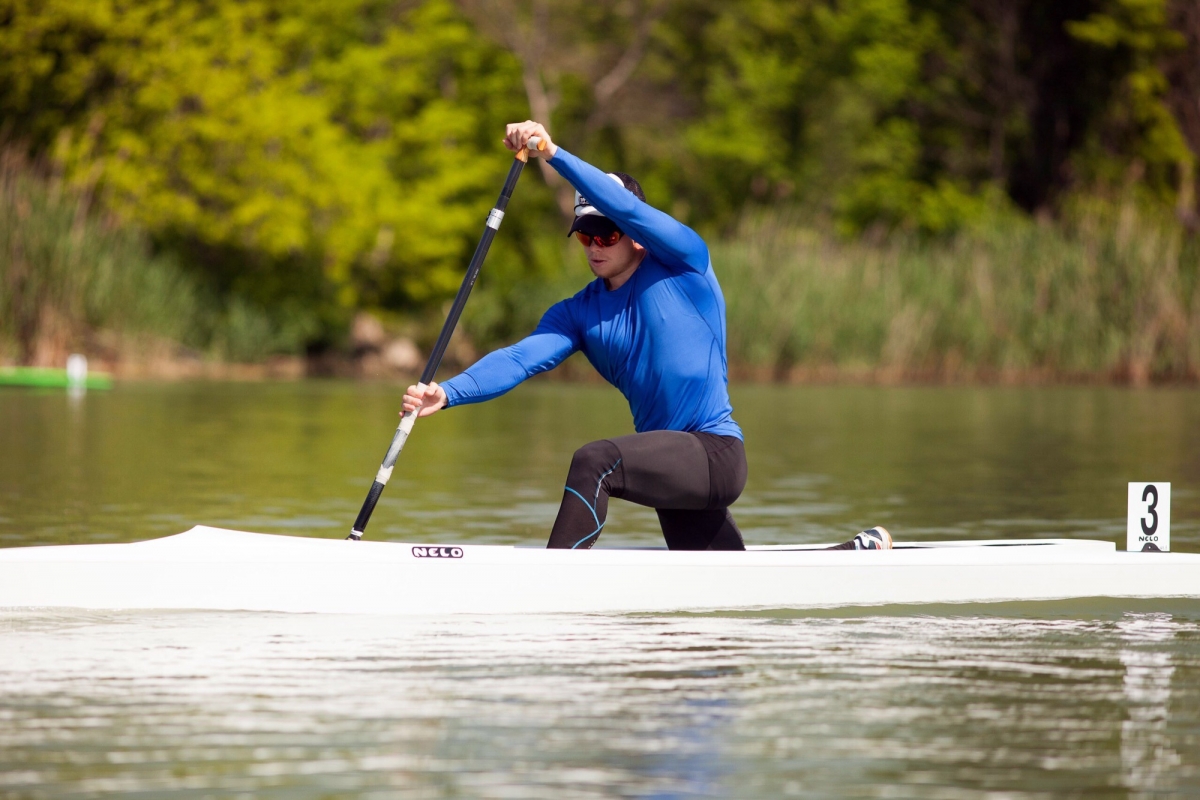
{"type": "Point", "coordinates": [659, 338]}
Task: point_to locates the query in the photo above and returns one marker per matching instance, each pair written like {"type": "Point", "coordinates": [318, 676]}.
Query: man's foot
{"type": "Point", "coordinates": [876, 538]}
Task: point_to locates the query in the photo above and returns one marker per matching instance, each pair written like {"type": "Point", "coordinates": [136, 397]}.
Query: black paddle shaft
{"type": "Point", "coordinates": [439, 348]}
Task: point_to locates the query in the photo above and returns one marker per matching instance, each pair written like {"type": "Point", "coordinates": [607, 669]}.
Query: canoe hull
{"type": "Point", "coordinates": [50, 378]}
{"type": "Point", "coordinates": [209, 568]}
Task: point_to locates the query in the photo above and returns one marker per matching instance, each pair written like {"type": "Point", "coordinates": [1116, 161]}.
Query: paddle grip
{"type": "Point", "coordinates": [439, 348]}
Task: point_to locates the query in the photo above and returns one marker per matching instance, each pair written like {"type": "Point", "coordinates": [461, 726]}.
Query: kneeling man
{"type": "Point", "coordinates": [653, 324]}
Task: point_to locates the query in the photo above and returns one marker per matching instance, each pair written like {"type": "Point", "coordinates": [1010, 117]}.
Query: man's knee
{"type": "Point", "coordinates": [700, 530]}
{"type": "Point", "coordinates": [594, 459]}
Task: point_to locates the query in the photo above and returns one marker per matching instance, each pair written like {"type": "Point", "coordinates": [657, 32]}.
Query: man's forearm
{"type": "Point", "coordinates": [500, 371]}
{"type": "Point", "coordinates": [660, 233]}
{"type": "Point", "coordinates": [491, 376]}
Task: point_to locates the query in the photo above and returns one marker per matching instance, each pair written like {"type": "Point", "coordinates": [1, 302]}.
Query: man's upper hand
{"type": "Point", "coordinates": [518, 134]}
{"type": "Point", "coordinates": [426, 402]}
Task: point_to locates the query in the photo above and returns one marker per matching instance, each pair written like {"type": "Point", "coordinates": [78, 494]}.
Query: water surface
{"type": "Point", "coordinates": [154, 459]}
{"type": "Point", "coordinates": [1091, 698]}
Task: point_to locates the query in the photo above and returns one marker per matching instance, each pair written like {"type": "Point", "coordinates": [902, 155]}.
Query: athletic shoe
{"type": "Point", "coordinates": [876, 538]}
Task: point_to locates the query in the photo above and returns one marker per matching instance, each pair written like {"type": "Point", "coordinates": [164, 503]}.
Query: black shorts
{"type": "Point", "coordinates": [690, 479]}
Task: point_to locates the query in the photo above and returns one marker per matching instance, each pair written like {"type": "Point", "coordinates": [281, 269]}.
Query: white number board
{"type": "Point", "coordinates": [1148, 525]}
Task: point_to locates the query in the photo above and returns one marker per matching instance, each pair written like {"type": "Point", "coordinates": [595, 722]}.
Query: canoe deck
{"type": "Point", "coordinates": [212, 568]}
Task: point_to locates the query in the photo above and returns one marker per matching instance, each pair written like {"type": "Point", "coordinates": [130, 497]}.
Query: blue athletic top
{"type": "Point", "coordinates": [659, 338]}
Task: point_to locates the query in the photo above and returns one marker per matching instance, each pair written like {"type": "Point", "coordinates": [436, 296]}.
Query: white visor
{"type": "Point", "coordinates": [583, 208]}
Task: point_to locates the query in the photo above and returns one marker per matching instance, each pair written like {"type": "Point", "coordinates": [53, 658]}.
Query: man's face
{"type": "Point", "coordinates": [615, 261]}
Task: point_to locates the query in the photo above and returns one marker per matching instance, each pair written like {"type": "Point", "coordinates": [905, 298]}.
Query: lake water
{"type": "Point", "coordinates": [1087, 698]}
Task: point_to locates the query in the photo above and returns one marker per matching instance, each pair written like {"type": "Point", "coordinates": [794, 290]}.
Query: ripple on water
{"type": "Point", "coordinates": [211, 704]}
{"type": "Point", "coordinates": [1016, 701]}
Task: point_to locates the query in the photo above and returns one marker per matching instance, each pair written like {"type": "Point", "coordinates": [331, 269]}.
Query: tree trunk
{"type": "Point", "coordinates": [1183, 72]}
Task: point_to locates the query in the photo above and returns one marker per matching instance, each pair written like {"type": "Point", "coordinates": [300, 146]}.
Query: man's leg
{"type": "Point", "coordinates": [657, 469]}
{"type": "Point", "coordinates": [711, 528]}
{"type": "Point", "coordinates": [668, 470]}
{"type": "Point", "coordinates": [700, 530]}
{"type": "Point", "coordinates": [596, 469]}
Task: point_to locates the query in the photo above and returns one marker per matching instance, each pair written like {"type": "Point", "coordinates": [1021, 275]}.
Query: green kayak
{"type": "Point", "coordinates": [50, 378]}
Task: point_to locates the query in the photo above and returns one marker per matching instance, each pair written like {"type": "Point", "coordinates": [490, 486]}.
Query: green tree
{"type": "Point", "coordinates": [1140, 129]}
{"type": "Point", "coordinates": [818, 103]}
{"type": "Point", "coordinates": [339, 148]}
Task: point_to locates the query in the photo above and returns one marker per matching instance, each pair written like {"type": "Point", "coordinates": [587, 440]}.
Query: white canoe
{"type": "Point", "coordinates": [211, 568]}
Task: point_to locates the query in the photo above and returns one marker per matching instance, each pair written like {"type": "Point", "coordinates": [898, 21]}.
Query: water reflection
{"type": "Point", "coordinates": [1081, 698]}
{"type": "Point", "coordinates": [1146, 753]}
{"type": "Point", "coordinates": [185, 704]}
{"type": "Point", "coordinates": [151, 460]}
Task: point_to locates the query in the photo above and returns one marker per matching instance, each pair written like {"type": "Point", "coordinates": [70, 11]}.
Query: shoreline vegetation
{"type": "Point", "coordinates": [1108, 293]}
{"type": "Point", "coordinates": [893, 190]}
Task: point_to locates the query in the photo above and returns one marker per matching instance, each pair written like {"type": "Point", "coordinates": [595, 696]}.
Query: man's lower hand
{"type": "Point", "coordinates": [425, 402]}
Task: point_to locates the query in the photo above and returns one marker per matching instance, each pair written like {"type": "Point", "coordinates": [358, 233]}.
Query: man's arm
{"type": "Point", "coordinates": [666, 237]}
{"type": "Point", "coordinates": [674, 243]}
{"type": "Point", "coordinates": [501, 370]}
{"type": "Point", "coordinates": [551, 342]}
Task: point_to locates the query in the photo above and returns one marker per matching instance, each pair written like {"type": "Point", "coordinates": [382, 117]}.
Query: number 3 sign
{"type": "Point", "coordinates": [1148, 526]}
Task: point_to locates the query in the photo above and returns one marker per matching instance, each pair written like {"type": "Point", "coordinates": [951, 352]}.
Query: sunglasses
{"type": "Point", "coordinates": [605, 240]}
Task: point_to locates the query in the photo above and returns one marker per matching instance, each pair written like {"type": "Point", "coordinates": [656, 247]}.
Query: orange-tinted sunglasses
{"type": "Point", "coordinates": [607, 240]}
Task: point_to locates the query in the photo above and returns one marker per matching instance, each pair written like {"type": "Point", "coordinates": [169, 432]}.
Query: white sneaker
{"type": "Point", "coordinates": [876, 538]}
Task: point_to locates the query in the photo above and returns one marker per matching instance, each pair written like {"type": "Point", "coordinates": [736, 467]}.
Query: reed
{"type": "Point", "coordinates": [73, 280]}
{"type": "Point", "coordinates": [66, 275]}
{"type": "Point", "coordinates": [1108, 293]}
{"type": "Point", "coordinates": [1111, 291]}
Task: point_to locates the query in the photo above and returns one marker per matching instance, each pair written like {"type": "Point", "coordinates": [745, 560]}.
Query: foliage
{"type": "Point", "coordinates": [281, 135]}
{"type": "Point", "coordinates": [1140, 113]}
{"type": "Point", "coordinates": [917, 114]}
{"type": "Point", "coordinates": [63, 273]}
{"type": "Point", "coordinates": [813, 101]}
{"type": "Point", "coordinates": [301, 159]}
{"type": "Point", "coordinates": [1113, 292]}
{"type": "Point", "coordinates": [72, 280]}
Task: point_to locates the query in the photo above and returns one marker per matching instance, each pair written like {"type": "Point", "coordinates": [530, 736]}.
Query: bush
{"type": "Point", "coordinates": [1112, 291]}
{"type": "Point", "coordinates": [67, 274]}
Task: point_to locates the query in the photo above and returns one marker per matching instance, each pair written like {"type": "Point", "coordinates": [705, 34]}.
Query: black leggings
{"type": "Point", "coordinates": [690, 479]}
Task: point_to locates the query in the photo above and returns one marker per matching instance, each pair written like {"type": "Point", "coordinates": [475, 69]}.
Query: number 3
{"type": "Point", "coordinates": [1151, 492]}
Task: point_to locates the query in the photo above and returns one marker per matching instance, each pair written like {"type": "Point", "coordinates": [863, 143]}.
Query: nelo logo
{"type": "Point", "coordinates": [437, 552]}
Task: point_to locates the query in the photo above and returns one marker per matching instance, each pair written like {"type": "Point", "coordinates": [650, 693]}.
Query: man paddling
{"type": "Point", "coordinates": [653, 324]}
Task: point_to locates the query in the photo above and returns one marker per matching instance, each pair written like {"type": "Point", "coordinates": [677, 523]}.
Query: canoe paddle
{"type": "Point", "coordinates": [439, 349]}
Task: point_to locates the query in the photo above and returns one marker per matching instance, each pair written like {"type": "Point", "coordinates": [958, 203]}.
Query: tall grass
{"type": "Point", "coordinates": [64, 274]}
{"type": "Point", "coordinates": [1111, 292]}
{"type": "Point", "coordinates": [72, 280]}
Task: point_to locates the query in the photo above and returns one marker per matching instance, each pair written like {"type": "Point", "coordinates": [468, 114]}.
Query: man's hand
{"type": "Point", "coordinates": [518, 134]}
{"type": "Point", "coordinates": [427, 402]}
